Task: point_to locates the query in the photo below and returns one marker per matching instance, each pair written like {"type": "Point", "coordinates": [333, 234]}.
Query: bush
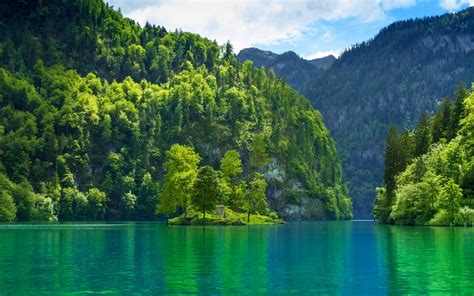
{"type": "Point", "coordinates": [7, 207]}
{"type": "Point", "coordinates": [44, 209]}
{"type": "Point", "coordinates": [441, 218]}
{"type": "Point", "coordinates": [273, 215]}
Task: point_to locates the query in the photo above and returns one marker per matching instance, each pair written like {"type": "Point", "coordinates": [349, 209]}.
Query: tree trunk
{"type": "Point", "coordinates": [248, 217]}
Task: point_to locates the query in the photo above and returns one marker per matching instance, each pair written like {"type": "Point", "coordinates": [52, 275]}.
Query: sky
{"type": "Point", "coordinates": [311, 28]}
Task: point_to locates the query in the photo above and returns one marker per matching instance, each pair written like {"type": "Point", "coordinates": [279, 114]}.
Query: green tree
{"type": "Point", "coordinates": [381, 208]}
{"type": "Point", "coordinates": [66, 209]}
{"type": "Point", "coordinates": [7, 207]}
{"type": "Point", "coordinates": [404, 210]}
{"type": "Point", "coordinates": [181, 172]}
{"type": "Point", "coordinates": [97, 202]}
{"type": "Point", "coordinates": [458, 112]}
{"type": "Point", "coordinates": [127, 204]}
{"type": "Point", "coordinates": [431, 190]}
{"type": "Point", "coordinates": [255, 197]}
{"type": "Point", "coordinates": [24, 198]}
{"type": "Point", "coordinates": [450, 199]}
{"type": "Point", "coordinates": [148, 198]}
{"type": "Point", "coordinates": [231, 168]}
{"type": "Point", "coordinates": [205, 190]}
{"type": "Point", "coordinates": [422, 135]}
{"type": "Point", "coordinates": [466, 214]}
{"type": "Point", "coordinates": [397, 157]}
{"type": "Point", "coordinates": [258, 152]}
{"type": "Point", "coordinates": [44, 209]}
{"type": "Point", "coordinates": [442, 121]}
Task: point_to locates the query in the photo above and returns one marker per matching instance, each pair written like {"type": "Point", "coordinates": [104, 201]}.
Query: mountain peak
{"type": "Point", "coordinates": [289, 65]}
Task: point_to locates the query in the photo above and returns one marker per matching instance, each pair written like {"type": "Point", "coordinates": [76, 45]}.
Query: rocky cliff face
{"type": "Point", "coordinates": [386, 81]}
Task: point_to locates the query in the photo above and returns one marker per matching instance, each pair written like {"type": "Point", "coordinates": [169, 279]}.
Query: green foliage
{"type": "Point", "coordinates": [381, 209]}
{"type": "Point", "coordinates": [450, 199]}
{"type": "Point", "coordinates": [7, 207]}
{"type": "Point", "coordinates": [97, 203]}
{"type": "Point", "coordinates": [127, 203]}
{"type": "Point", "coordinates": [231, 218]}
{"type": "Point", "coordinates": [466, 215]}
{"type": "Point", "coordinates": [181, 172]}
{"type": "Point", "coordinates": [232, 189]}
{"type": "Point", "coordinates": [90, 101]}
{"type": "Point", "coordinates": [231, 166]}
{"type": "Point", "coordinates": [422, 136]}
{"type": "Point", "coordinates": [436, 187]}
{"type": "Point", "coordinates": [441, 218]}
{"type": "Point", "coordinates": [255, 201]}
{"type": "Point", "coordinates": [43, 209]}
{"type": "Point", "coordinates": [397, 156]}
{"type": "Point", "coordinates": [258, 154]}
{"type": "Point", "coordinates": [387, 80]}
{"type": "Point", "coordinates": [205, 190]}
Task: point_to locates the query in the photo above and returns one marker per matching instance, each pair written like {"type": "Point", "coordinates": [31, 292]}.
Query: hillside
{"type": "Point", "coordinates": [387, 80]}
{"type": "Point", "coordinates": [429, 171]}
{"type": "Point", "coordinates": [91, 103]}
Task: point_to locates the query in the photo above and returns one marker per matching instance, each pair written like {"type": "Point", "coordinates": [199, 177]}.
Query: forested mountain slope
{"type": "Point", "coordinates": [429, 171]}
{"type": "Point", "coordinates": [389, 79]}
{"type": "Point", "coordinates": [90, 102]}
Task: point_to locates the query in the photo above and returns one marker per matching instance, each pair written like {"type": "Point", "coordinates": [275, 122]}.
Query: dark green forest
{"type": "Point", "coordinates": [90, 103]}
{"type": "Point", "coordinates": [429, 171]}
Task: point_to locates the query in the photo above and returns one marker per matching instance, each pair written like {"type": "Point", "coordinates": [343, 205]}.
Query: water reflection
{"type": "Point", "coordinates": [422, 259]}
{"type": "Point", "coordinates": [295, 259]}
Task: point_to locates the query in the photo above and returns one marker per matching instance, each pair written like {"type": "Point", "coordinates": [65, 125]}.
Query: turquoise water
{"type": "Point", "coordinates": [305, 258]}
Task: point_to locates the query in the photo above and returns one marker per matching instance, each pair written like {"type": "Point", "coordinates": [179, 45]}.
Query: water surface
{"type": "Point", "coordinates": [292, 259]}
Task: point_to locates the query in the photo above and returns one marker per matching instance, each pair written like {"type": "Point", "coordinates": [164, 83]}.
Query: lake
{"type": "Point", "coordinates": [294, 259]}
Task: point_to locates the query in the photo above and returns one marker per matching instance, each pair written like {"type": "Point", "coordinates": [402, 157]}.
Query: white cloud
{"type": "Point", "coordinates": [324, 53]}
{"type": "Point", "coordinates": [249, 22]}
{"type": "Point", "coordinates": [392, 4]}
{"type": "Point", "coordinates": [455, 4]}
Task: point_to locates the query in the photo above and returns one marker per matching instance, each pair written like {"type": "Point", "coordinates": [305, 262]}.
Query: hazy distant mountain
{"type": "Point", "coordinates": [295, 70]}
{"type": "Point", "coordinates": [390, 79]}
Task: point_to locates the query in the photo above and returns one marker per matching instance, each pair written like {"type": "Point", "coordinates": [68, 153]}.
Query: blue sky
{"type": "Point", "coordinates": [311, 28]}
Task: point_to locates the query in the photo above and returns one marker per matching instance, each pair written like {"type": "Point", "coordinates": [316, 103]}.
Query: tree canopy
{"type": "Point", "coordinates": [432, 181]}
{"type": "Point", "coordinates": [90, 102]}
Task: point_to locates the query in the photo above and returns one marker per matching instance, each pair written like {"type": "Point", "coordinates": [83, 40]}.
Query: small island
{"type": "Point", "coordinates": [205, 196]}
{"type": "Point", "coordinates": [224, 216]}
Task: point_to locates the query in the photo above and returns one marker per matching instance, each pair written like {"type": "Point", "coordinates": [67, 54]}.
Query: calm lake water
{"type": "Point", "coordinates": [292, 259]}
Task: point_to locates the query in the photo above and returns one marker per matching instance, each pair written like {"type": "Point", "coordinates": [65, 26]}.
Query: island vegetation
{"type": "Point", "coordinates": [102, 119]}
{"type": "Point", "coordinates": [429, 171]}
{"type": "Point", "coordinates": [223, 195]}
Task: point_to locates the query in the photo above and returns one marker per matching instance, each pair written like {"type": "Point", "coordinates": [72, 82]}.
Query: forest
{"type": "Point", "coordinates": [429, 171]}
{"type": "Point", "coordinates": [93, 106]}
{"type": "Point", "coordinates": [387, 80]}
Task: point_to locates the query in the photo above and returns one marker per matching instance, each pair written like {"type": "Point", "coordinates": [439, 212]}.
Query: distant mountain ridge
{"type": "Point", "coordinates": [388, 80]}
{"type": "Point", "coordinates": [295, 70]}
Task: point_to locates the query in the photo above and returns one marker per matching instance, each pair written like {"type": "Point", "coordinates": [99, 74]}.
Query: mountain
{"type": "Point", "coordinates": [91, 103]}
{"type": "Point", "coordinates": [296, 71]}
{"type": "Point", "coordinates": [388, 80]}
